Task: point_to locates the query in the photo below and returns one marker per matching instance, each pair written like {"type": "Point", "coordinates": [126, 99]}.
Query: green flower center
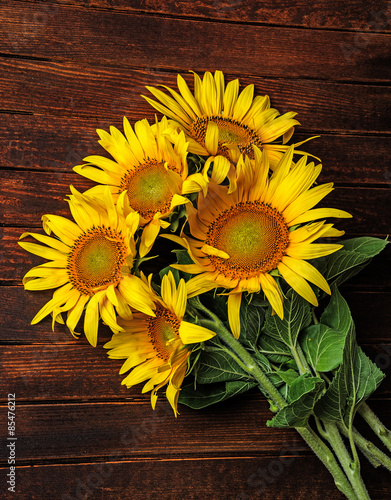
{"type": "Point", "coordinates": [150, 188]}
{"type": "Point", "coordinates": [96, 259]}
{"type": "Point", "coordinates": [253, 234]}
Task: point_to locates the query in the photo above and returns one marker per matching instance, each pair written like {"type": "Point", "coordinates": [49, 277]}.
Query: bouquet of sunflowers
{"type": "Point", "coordinates": [234, 304]}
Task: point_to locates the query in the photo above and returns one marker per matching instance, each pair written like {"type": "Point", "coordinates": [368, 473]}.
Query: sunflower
{"type": "Point", "coordinates": [218, 120]}
{"type": "Point", "coordinates": [154, 346]}
{"type": "Point", "coordinates": [261, 232]}
{"type": "Point", "coordinates": [152, 171]}
{"type": "Point", "coordinates": [89, 264]}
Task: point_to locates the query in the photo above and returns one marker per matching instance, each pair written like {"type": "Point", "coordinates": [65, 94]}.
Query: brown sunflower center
{"type": "Point", "coordinates": [96, 260]}
{"type": "Point", "coordinates": [253, 234]}
{"type": "Point", "coordinates": [231, 132]}
{"type": "Point", "coordinates": [150, 189]}
{"type": "Point", "coordinates": [164, 332]}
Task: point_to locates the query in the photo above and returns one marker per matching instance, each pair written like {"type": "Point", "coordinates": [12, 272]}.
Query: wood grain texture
{"type": "Point", "coordinates": [103, 37]}
{"type": "Point", "coordinates": [54, 88]}
{"type": "Point", "coordinates": [268, 477]}
{"type": "Point", "coordinates": [358, 15]}
{"type": "Point", "coordinates": [68, 67]}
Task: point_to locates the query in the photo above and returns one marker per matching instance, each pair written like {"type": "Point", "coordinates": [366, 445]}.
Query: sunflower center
{"type": "Point", "coordinates": [149, 188]}
{"type": "Point", "coordinates": [164, 332]}
{"type": "Point", "coordinates": [253, 234]}
{"type": "Point", "coordinates": [231, 133]}
{"type": "Point", "coordinates": [96, 260]}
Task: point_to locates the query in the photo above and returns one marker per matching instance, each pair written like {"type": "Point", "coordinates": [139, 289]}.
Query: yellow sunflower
{"type": "Point", "coordinates": [148, 167]}
{"type": "Point", "coordinates": [218, 120]}
{"type": "Point", "coordinates": [89, 264]}
{"type": "Point", "coordinates": [242, 241]}
{"type": "Point", "coordinates": [154, 346]}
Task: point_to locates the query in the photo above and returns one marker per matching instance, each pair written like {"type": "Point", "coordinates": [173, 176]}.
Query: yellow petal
{"type": "Point", "coordinates": [74, 315]}
{"type": "Point", "coordinates": [319, 213]}
{"type": "Point", "coordinates": [212, 138]}
{"type": "Point", "coordinates": [307, 271]}
{"type": "Point", "coordinates": [311, 250]}
{"type": "Point", "coordinates": [45, 252]}
{"type": "Point", "coordinates": [91, 318]}
{"type": "Point", "coordinates": [272, 292]}
{"type": "Point", "coordinates": [234, 301]}
{"type": "Point", "coordinates": [298, 283]}
{"type": "Point", "coordinates": [191, 333]}
{"type": "Point", "coordinates": [214, 251]}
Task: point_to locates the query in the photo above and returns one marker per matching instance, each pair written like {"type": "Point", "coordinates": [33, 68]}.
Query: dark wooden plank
{"type": "Point", "coordinates": [69, 90]}
{"type": "Point", "coordinates": [105, 37]}
{"type": "Point", "coordinates": [22, 200]}
{"type": "Point", "coordinates": [357, 15]}
{"type": "Point", "coordinates": [80, 430]}
{"type": "Point", "coordinates": [275, 477]}
{"type": "Point", "coordinates": [34, 142]}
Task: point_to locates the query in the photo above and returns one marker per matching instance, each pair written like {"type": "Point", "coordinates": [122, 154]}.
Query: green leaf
{"type": "Point", "coordinates": [303, 394]}
{"type": "Point", "coordinates": [273, 349]}
{"type": "Point", "coordinates": [368, 376]}
{"type": "Point", "coordinates": [206, 395]}
{"type": "Point", "coordinates": [356, 378]}
{"type": "Point", "coordinates": [166, 270]}
{"type": "Point", "coordinates": [349, 260]}
{"type": "Point", "coordinates": [288, 376]}
{"type": "Point", "coordinates": [297, 316]}
{"type": "Point", "coordinates": [323, 343]}
{"type": "Point", "coordinates": [218, 366]}
{"type": "Point", "coordinates": [251, 321]}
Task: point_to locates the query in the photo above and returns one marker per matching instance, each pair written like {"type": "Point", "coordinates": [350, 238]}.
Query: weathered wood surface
{"type": "Point", "coordinates": [68, 67]}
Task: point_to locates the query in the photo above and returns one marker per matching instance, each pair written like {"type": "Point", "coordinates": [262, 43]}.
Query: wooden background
{"type": "Point", "coordinates": [69, 67]}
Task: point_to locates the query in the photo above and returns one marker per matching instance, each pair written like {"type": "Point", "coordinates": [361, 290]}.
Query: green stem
{"type": "Point", "coordinates": [302, 368]}
{"type": "Point", "coordinates": [351, 468]}
{"type": "Point", "coordinates": [248, 363]}
{"type": "Point", "coordinates": [376, 425]}
{"type": "Point", "coordinates": [372, 452]}
{"type": "Point", "coordinates": [326, 456]}
{"type": "Point", "coordinates": [252, 368]}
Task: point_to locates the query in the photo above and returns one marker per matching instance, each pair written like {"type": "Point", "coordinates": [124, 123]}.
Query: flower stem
{"type": "Point", "coordinates": [320, 449]}
{"type": "Point", "coordinates": [376, 425]}
{"type": "Point", "coordinates": [351, 468]}
{"type": "Point", "coordinates": [372, 452]}
{"type": "Point", "coordinates": [326, 456]}
{"type": "Point", "coordinates": [248, 363]}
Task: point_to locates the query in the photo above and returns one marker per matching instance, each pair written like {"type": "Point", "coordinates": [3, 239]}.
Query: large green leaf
{"type": "Point", "coordinates": [251, 321]}
{"type": "Point", "coordinates": [276, 351]}
{"type": "Point", "coordinates": [356, 378]}
{"type": "Point", "coordinates": [323, 343]}
{"type": "Point", "coordinates": [218, 366]}
{"type": "Point", "coordinates": [206, 395]}
{"type": "Point", "coordinates": [303, 393]}
{"type": "Point", "coordinates": [349, 260]}
{"type": "Point", "coordinates": [297, 316]}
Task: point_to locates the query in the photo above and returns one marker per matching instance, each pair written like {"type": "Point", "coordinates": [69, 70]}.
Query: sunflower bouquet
{"type": "Point", "coordinates": [234, 304]}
